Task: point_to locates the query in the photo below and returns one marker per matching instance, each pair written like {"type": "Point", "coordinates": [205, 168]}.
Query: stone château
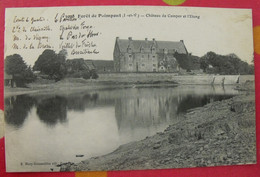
{"type": "Point", "coordinates": [147, 55]}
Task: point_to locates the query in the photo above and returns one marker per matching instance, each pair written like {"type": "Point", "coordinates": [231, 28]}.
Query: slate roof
{"type": "Point", "coordinates": [147, 45]}
{"type": "Point", "coordinates": [100, 64]}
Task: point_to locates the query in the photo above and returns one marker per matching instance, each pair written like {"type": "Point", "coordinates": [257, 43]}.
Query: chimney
{"type": "Point", "coordinates": [182, 41]}
{"type": "Point", "coordinates": [154, 41]}
{"type": "Point", "coordinates": [117, 38]}
{"type": "Point", "coordinates": [146, 39]}
{"type": "Point", "coordinates": [130, 38]}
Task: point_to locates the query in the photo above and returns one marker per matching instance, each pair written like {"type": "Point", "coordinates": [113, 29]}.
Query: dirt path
{"type": "Point", "coordinates": [220, 133]}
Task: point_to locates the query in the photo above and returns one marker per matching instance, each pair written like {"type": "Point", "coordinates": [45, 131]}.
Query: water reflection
{"type": "Point", "coordinates": [142, 108]}
{"type": "Point", "coordinates": [138, 107]}
{"type": "Point", "coordinates": [94, 123]}
{"type": "Point", "coordinates": [191, 101]}
{"type": "Point", "coordinates": [17, 109]}
{"type": "Point", "coordinates": [52, 110]}
{"type": "Point", "coordinates": [81, 102]}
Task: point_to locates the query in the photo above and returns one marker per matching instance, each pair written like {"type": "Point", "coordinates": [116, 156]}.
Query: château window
{"type": "Point", "coordinates": [130, 64]}
{"type": "Point", "coordinates": [154, 65]}
{"type": "Point", "coordinates": [130, 56]}
{"type": "Point", "coordinates": [141, 49]}
{"type": "Point", "coordinates": [143, 64]}
{"type": "Point", "coordinates": [129, 49]}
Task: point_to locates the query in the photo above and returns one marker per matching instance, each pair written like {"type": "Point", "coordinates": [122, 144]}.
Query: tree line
{"type": "Point", "coordinates": [225, 64]}
{"type": "Point", "coordinates": [55, 66]}
{"type": "Point", "coordinates": [52, 65]}
{"type": "Point", "coordinates": [213, 63]}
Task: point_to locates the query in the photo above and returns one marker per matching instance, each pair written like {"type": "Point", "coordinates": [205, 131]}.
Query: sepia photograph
{"type": "Point", "coordinates": [128, 88]}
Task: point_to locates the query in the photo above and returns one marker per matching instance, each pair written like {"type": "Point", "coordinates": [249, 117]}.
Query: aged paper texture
{"type": "Point", "coordinates": [130, 87]}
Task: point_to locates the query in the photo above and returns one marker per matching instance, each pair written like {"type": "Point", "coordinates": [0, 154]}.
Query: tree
{"type": "Point", "coordinates": [51, 64]}
{"type": "Point", "coordinates": [63, 55]}
{"type": "Point", "coordinates": [203, 64]}
{"type": "Point", "coordinates": [184, 61]}
{"type": "Point", "coordinates": [78, 68]}
{"type": "Point", "coordinates": [224, 64]}
{"type": "Point", "coordinates": [15, 66]}
{"type": "Point", "coordinates": [93, 74]}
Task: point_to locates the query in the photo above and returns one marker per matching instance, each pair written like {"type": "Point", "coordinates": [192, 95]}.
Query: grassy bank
{"type": "Point", "coordinates": [115, 80]}
{"type": "Point", "coordinates": [76, 84]}
{"type": "Point", "coordinates": [220, 133]}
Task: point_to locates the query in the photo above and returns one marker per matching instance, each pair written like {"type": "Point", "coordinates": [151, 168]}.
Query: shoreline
{"type": "Point", "coordinates": [63, 88]}
{"type": "Point", "coordinates": [121, 81]}
{"type": "Point", "coordinates": [219, 133]}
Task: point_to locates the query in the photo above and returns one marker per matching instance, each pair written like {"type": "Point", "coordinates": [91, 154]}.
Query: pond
{"type": "Point", "coordinates": [43, 130]}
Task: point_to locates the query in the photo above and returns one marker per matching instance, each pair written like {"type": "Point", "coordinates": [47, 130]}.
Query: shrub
{"type": "Point", "coordinates": [86, 75]}
{"type": "Point", "coordinates": [93, 74]}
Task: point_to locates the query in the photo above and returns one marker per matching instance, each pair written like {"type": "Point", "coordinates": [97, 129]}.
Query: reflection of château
{"type": "Point", "coordinates": [145, 108]}
{"type": "Point", "coordinates": [134, 108]}
{"type": "Point", "coordinates": [147, 56]}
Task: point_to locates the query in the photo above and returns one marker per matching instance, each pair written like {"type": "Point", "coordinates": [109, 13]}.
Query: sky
{"type": "Point", "coordinates": [222, 31]}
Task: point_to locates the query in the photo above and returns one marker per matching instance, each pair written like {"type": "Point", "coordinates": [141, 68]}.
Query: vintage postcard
{"type": "Point", "coordinates": [128, 88]}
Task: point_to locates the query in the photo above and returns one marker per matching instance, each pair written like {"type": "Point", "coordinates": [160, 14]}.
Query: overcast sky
{"type": "Point", "coordinates": [223, 31]}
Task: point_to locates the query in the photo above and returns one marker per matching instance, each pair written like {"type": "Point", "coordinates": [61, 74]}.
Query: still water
{"type": "Point", "coordinates": [44, 130]}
